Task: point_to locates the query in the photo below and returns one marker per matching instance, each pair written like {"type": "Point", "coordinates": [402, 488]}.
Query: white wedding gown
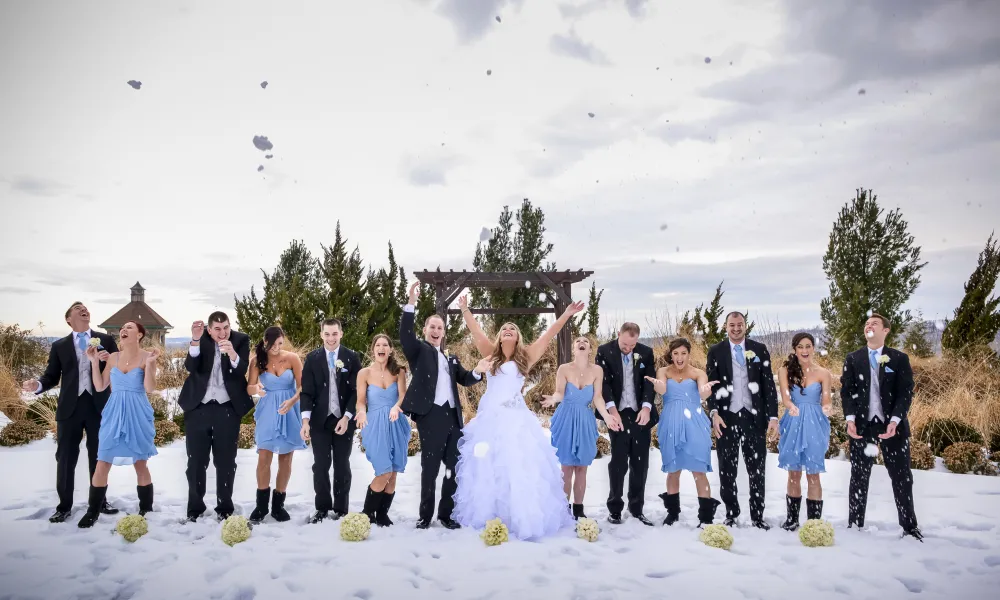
{"type": "Point", "coordinates": [507, 468]}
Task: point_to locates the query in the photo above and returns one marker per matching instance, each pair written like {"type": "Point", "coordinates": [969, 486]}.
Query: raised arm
{"type": "Point", "coordinates": [658, 383]}
{"type": "Point", "coordinates": [537, 349]}
{"type": "Point", "coordinates": [149, 372]}
{"type": "Point", "coordinates": [483, 343]}
{"type": "Point", "coordinates": [704, 385]}
{"type": "Point", "coordinates": [407, 337]}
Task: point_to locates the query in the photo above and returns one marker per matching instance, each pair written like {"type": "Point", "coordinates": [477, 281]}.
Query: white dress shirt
{"type": "Point", "coordinates": [216, 389]}
{"type": "Point", "coordinates": [875, 391]}
{"type": "Point", "coordinates": [334, 396]}
{"type": "Point", "coordinates": [628, 398]}
{"type": "Point", "coordinates": [85, 382]}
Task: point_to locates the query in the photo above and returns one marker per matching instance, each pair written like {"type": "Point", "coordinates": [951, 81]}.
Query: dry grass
{"type": "Point", "coordinates": [967, 390]}
{"type": "Point", "coordinates": [11, 403]}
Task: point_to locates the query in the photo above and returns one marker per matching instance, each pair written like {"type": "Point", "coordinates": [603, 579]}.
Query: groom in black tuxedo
{"type": "Point", "coordinates": [79, 407]}
{"type": "Point", "coordinates": [626, 364]}
{"type": "Point", "coordinates": [876, 391]}
{"type": "Point", "coordinates": [431, 400]}
{"type": "Point", "coordinates": [744, 410]}
{"type": "Point", "coordinates": [214, 399]}
{"type": "Point", "coordinates": [329, 401]}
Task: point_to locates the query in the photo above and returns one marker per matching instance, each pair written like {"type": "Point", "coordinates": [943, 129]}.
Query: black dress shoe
{"type": "Point", "coordinates": [59, 516]}
{"type": "Point", "coordinates": [107, 509]}
{"type": "Point", "coordinates": [423, 523]}
{"type": "Point", "coordinates": [642, 519]}
{"type": "Point", "coordinates": [450, 524]}
{"type": "Point", "coordinates": [222, 516]}
{"type": "Point", "coordinates": [915, 534]}
{"type": "Point", "coordinates": [318, 516]}
{"type": "Point", "coordinates": [615, 518]}
{"type": "Point", "coordinates": [762, 525]}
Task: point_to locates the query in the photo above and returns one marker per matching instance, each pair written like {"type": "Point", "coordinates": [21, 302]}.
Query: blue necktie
{"type": "Point", "coordinates": [331, 358]}
{"type": "Point", "coordinates": [873, 358]}
{"type": "Point", "coordinates": [740, 358]}
{"type": "Point", "coordinates": [625, 358]}
{"type": "Point", "coordinates": [81, 341]}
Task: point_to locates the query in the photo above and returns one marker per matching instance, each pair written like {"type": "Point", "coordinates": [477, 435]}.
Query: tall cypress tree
{"type": "Point", "coordinates": [873, 265]}
{"type": "Point", "coordinates": [346, 297]}
{"type": "Point", "coordinates": [591, 315]}
{"type": "Point", "coordinates": [977, 318]}
{"type": "Point", "coordinates": [918, 341]}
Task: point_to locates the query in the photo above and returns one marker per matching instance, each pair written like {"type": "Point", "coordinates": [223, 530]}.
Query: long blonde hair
{"type": "Point", "coordinates": [519, 356]}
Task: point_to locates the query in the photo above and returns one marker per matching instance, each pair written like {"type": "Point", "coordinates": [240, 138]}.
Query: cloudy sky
{"type": "Point", "coordinates": [742, 126]}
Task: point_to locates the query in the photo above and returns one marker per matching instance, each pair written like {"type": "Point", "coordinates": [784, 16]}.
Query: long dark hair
{"type": "Point", "coordinates": [675, 344]}
{"type": "Point", "coordinates": [795, 374]}
{"type": "Point", "coordinates": [271, 335]}
{"type": "Point", "coordinates": [391, 365]}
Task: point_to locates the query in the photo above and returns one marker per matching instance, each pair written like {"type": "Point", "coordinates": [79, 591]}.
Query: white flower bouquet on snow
{"type": "Point", "coordinates": [235, 529]}
{"type": "Point", "coordinates": [132, 527]}
{"type": "Point", "coordinates": [816, 533]}
{"type": "Point", "coordinates": [716, 536]}
{"type": "Point", "coordinates": [586, 529]}
{"type": "Point", "coordinates": [355, 527]}
{"type": "Point", "coordinates": [495, 533]}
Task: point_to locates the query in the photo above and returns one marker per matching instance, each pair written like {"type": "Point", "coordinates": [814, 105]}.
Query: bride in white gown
{"type": "Point", "coordinates": [507, 468]}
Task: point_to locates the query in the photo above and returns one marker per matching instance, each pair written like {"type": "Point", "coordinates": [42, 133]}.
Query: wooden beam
{"type": "Point", "coordinates": [499, 280]}
{"type": "Point", "coordinates": [560, 293]}
{"type": "Point", "coordinates": [456, 289]}
{"type": "Point", "coordinates": [505, 311]}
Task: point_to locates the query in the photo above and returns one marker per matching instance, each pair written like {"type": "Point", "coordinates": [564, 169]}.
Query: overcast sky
{"type": "Point", "coordinates": [742, 126]}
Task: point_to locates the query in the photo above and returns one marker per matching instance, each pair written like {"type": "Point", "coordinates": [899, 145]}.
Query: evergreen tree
{"type": "Point", "coordinates": [382, 288]}
{"type": "Point", "coordinates": [918, 341]}
{"type": "Point", "coordinates": [591, 315]}
{"type": "Point", "coordinates": [977, 318]}
{"type": "Point", "coordinates": [873, 265]}
{"type": "Point", "coordinates": [346, 297]}
{"type": "Point", "coordinates": [710, 323]}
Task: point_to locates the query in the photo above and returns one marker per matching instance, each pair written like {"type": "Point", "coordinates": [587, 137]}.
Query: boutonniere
{"type": "Point", "coordinates": [749, 355]}
{"type": "Point", "coordinates": [883, 359]}
{"type": "Point", "coordinates": [447, 352]}
{"type": "Point", "coordinates": [339, 364]}
{"type": "Point", "coordinates": [635, 356]}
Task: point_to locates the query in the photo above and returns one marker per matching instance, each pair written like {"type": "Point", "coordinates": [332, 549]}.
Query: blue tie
{"type": "Point", "coordinates": [625, 358]}
{"type": "Point", "coordinates": [332, 359]}
{"type": "Point", "coordinates": [739, 355]}
{"type": "Point", "coordinates": [81, 341]}
{"type": "Point", "coordinates": [872, 358]}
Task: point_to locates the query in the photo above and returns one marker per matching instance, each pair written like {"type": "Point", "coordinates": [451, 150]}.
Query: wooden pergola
{"type": "Point", "coordinates": [556, 285]}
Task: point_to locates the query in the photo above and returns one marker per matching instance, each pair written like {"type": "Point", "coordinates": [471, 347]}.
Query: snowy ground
{"type": "Point", "coordinates": [958, 514]}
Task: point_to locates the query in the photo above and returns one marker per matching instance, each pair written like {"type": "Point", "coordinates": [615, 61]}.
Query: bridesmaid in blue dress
{"type": "Point", "coordinates": [127, 431]}
{"type": "Point", "coordinates": [804, 428]}
{"type": "Point", "coordinates": [385, 431]}
{"type": "Point", "coordinates": [275, 375]}
{"type": "Point", "coordinates": [684, 432]}
{"type": "Point", "coordinates": [573, 427]}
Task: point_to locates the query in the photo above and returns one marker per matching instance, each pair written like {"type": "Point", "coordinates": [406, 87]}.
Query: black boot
{"type": "Point", "coordinates": [578, 512]}
{"type": "Point", "coordinates": [814, 509]}
{"type": "Point", "coordinates": [94, 504]}
{"type": "Point", "coordinates": [145, 498]}
{"type": "Point", "coordinates": [278, 507]}
{"type": "Point", "coordinates": [260, 512]}
{"type": "Point", "coordinates": [382, 513]}
{"type": "Point", "coordinates": [373, 500]}
{"type": "Point", "coordinates": [706, 510]}
{"type": "Point", "coordinates": [672, 502]}
{"type": "Point", "coordinates": [794, 506]}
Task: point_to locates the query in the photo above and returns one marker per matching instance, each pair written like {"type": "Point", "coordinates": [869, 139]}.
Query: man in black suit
{"type": "Point", "coordinates": [745, 404]}
{"type": "Point", "coordinates": [79, 408]}
{"type": "Point", "coordinates": [432, 402]}
{"type": "Point", "coordinates": [627, 393]}
{"type": "Point", "coordinates": [214, 399]}
{"type": "Point", "coordinates": [329, 402]}
{"type": "Point", "coordinates": [876, 391]}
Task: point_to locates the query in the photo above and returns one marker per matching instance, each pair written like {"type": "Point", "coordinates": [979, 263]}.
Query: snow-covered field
{"type": "Point", "coordinates": [959, 514]}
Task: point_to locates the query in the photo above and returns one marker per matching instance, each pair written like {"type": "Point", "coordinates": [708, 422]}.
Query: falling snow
{"type": "Point", "coordinates": [263, 85]}
{"type": "Point", "coordinates": [485, 235]}
{"type": "Point", "coordinates": [871, 450]}
{"type": "Point", "coordinates": [687, 413]}
{"type": "Point", "coordinates": [135, 84]}
{"type": "Point", "coordinates": [481, 449]}
{"type": "Point", "coordinates": [262, 143]}
{"type": "Point", "coordinates": [754, 387]}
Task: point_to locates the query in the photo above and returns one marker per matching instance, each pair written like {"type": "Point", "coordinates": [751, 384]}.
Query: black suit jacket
{"type": "Point", "coordinates": [895, 385]}
{"type": "Point", "coordinates": [720, 368]}
{"type": "Point", "coordinates": [423, 360]}
{"type": "Point", "coordinates": [199, 370]}
{"type": "Point", "coordinates": [316, 384]}
{"type": "Point", "coordinates": [609, 358]}
{"type": "Point", "coordinates": [63, 365]}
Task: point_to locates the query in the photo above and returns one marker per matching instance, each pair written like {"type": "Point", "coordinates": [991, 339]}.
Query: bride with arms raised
{"type": "Point", "coordinates": [507, 468]}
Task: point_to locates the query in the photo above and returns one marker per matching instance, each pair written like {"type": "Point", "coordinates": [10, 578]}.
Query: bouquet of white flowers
{"type": "Point", "coordinates": [586, 529]}
{"type": "Point", "coordinates": [235, 529]}
{"type": "Point", "coordinates": [716, 536]}
{"type": "Point", "coordinates": [495, 533]}
{"type": "Point", "coordinates": [355, 527]}
{"type": "Point", "coordinates": [816, 533]}
{"type": "Point", "coordinates": [132, 527]}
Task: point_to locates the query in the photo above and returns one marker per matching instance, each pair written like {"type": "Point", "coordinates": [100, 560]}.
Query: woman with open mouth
{"type": "Point", "coordinates": [385, 432]}
{"type": "Point", "coordinates": [574, 429]}
{"type": "Point", "coordinates": [276, 375]}
{"type": "Point", "coordinates": [127, 430]}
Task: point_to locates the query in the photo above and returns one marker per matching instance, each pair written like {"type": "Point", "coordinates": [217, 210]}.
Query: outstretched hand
{"type": "Point", "coordinates": [463, 302]}
{"type": "Point", "coordinates": [548, 401]}
{"type": "Point", "coordinates": [614, 422]}
{"type": "Point", "coordinates": [413, 292]}
{"type": "Point", "coordinates": [574, 308]}
{"type": "Point", "coordinates": [659, 385]}
{"type": "Point", "coordinates": [484, 366]}
{"type": "Point", "coordinates": [707, 388]}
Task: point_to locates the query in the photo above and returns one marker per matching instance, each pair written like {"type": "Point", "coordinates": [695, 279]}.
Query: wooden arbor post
{"type": "Point", "coordinates": [556, 285]}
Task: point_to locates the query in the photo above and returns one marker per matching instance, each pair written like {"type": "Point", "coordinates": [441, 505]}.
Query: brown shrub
{"type": "Point", "coordinates": [160, 407]}
{"type": "Point", "coordinates": [246, 440]}
{"type": "Point", "coordinates": [603, 446]}
{"type": "Point", "coordinates": [921, 456]}
{"type": "Point", "coordinates": [414, 446]}
{"type": "Point", "coordinates": [964, 457]}
{"type": "Point", "coordinates": [962, 389]}
{"type": "Point", "coordinates": [19, 433]}
{"type": "Point", "coordinates": [166, 432]}
{"type": "Point", "coordinates": [170, 371]}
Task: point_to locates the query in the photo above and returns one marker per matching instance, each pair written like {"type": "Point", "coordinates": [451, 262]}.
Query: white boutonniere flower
{"type": "Point", "coordinates": [447, 352]}
{"type": "Point", "coordinates": [95, 342]}
{"type": "Point", "coordinates": [883, 359]}
{"type": "Point", "coordinates": [749, 355]}
{"type": "Point", "coordinates": [339, 363]}
{"type": "Point", "coordinates": [635, 356]}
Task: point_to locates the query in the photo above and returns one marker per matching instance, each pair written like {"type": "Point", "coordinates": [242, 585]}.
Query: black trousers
{"type": "Point", "coordinates": [896, 454]}
{"type": "Point", "coordinates": [69, 434]}
{"type": "Point", "coordinates": [629, 454]}
{"type": "Point", "coordinates": [742, 431]}
{"type": "Point", "coordinates": [439, 434]}
{"type": "Point", "coordinates": [332, 449]}
{"type": "Point", "coordinates": [211, 428]}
